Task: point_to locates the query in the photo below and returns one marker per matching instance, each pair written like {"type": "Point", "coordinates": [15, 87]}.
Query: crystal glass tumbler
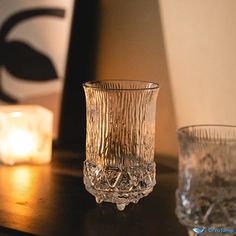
{"type": "Point", "coordinates": [206, 194]}
{"type": "Point", "coordinates": [120, 140]}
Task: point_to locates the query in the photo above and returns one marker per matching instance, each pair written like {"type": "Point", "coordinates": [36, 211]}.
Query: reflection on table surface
{"type": "Point", "coordinates": [51, 200]}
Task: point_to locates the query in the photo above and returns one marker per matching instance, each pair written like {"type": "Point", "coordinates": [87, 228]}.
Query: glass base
{"type": "Point", "coordinates": [196, 208]}
{"type": "Point", "coordinates": [119, 186]}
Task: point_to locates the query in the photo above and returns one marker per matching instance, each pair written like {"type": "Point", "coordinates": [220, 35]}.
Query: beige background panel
{"type": "Point", "coordinates": [200, 43]}
{"type": "Point", "coordinates": [131, 48]}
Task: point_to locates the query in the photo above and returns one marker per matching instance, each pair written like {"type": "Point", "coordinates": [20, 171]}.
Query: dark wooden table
{"type": "Point", "coordinates": [51, 200]}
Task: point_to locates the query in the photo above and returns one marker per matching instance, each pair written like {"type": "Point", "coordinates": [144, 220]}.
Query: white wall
{"type": "Point", "coordinates": [131, 48]}
{"type": "Point", "coordinates": [200, 40]}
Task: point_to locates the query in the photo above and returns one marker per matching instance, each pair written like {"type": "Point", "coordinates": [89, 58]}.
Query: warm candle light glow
{"type": "Point", "coordinates": [25, 134]}
{"type": "Point", "coordinates": [21, 143]}
{"type": "Point", "coordinates": [15, 114]}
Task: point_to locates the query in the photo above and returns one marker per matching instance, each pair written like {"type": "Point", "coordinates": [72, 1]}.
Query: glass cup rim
{"type": "Point", "coordinates": [185, 127]}
{"type": "Point", "coordinates": [93, 85]}
{"type": "Point", "coordinates": [181, 131]}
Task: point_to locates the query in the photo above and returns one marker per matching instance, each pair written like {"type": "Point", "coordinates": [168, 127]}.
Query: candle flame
{"type": "Point", "coordinates": [16, 114]}
{"type": "Point", "coordinates": [21, 143]}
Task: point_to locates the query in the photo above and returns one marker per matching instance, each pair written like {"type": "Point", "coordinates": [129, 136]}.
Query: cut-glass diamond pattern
{"type": "Point", "coordinates": [116, 184]}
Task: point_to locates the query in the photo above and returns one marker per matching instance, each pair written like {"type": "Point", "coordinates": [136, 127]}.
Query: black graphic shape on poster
{"type": "Point", "coordinates": [20, 58]}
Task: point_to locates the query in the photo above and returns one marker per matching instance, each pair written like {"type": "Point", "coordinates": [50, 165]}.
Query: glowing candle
{"type": "Point", "coordinates": [25, 134]}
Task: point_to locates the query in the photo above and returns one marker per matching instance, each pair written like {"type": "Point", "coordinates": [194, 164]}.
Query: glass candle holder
{"type": "Point", "coordinates": [25, 134]}
{"type": "Point", "coordinates": [119, 166]}
{"type": "Point", "coordinates": [206, 194]}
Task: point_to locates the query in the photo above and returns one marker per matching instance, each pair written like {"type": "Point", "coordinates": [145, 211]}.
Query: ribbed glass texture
{"type": "Point", "coordinates": [206, 194]}
{"type": "Point", "coordinates": [120, 140]}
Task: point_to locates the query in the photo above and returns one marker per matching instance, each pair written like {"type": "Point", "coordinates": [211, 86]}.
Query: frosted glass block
{"type": "Point", "coordinates": [25, 134]}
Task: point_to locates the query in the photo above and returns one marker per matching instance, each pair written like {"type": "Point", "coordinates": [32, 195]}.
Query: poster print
{"type": "Point", "coordinates": [33, 51]}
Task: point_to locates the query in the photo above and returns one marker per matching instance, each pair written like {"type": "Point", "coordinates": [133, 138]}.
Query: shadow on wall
{"type": "Point", "coordinates": [131, 48]}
